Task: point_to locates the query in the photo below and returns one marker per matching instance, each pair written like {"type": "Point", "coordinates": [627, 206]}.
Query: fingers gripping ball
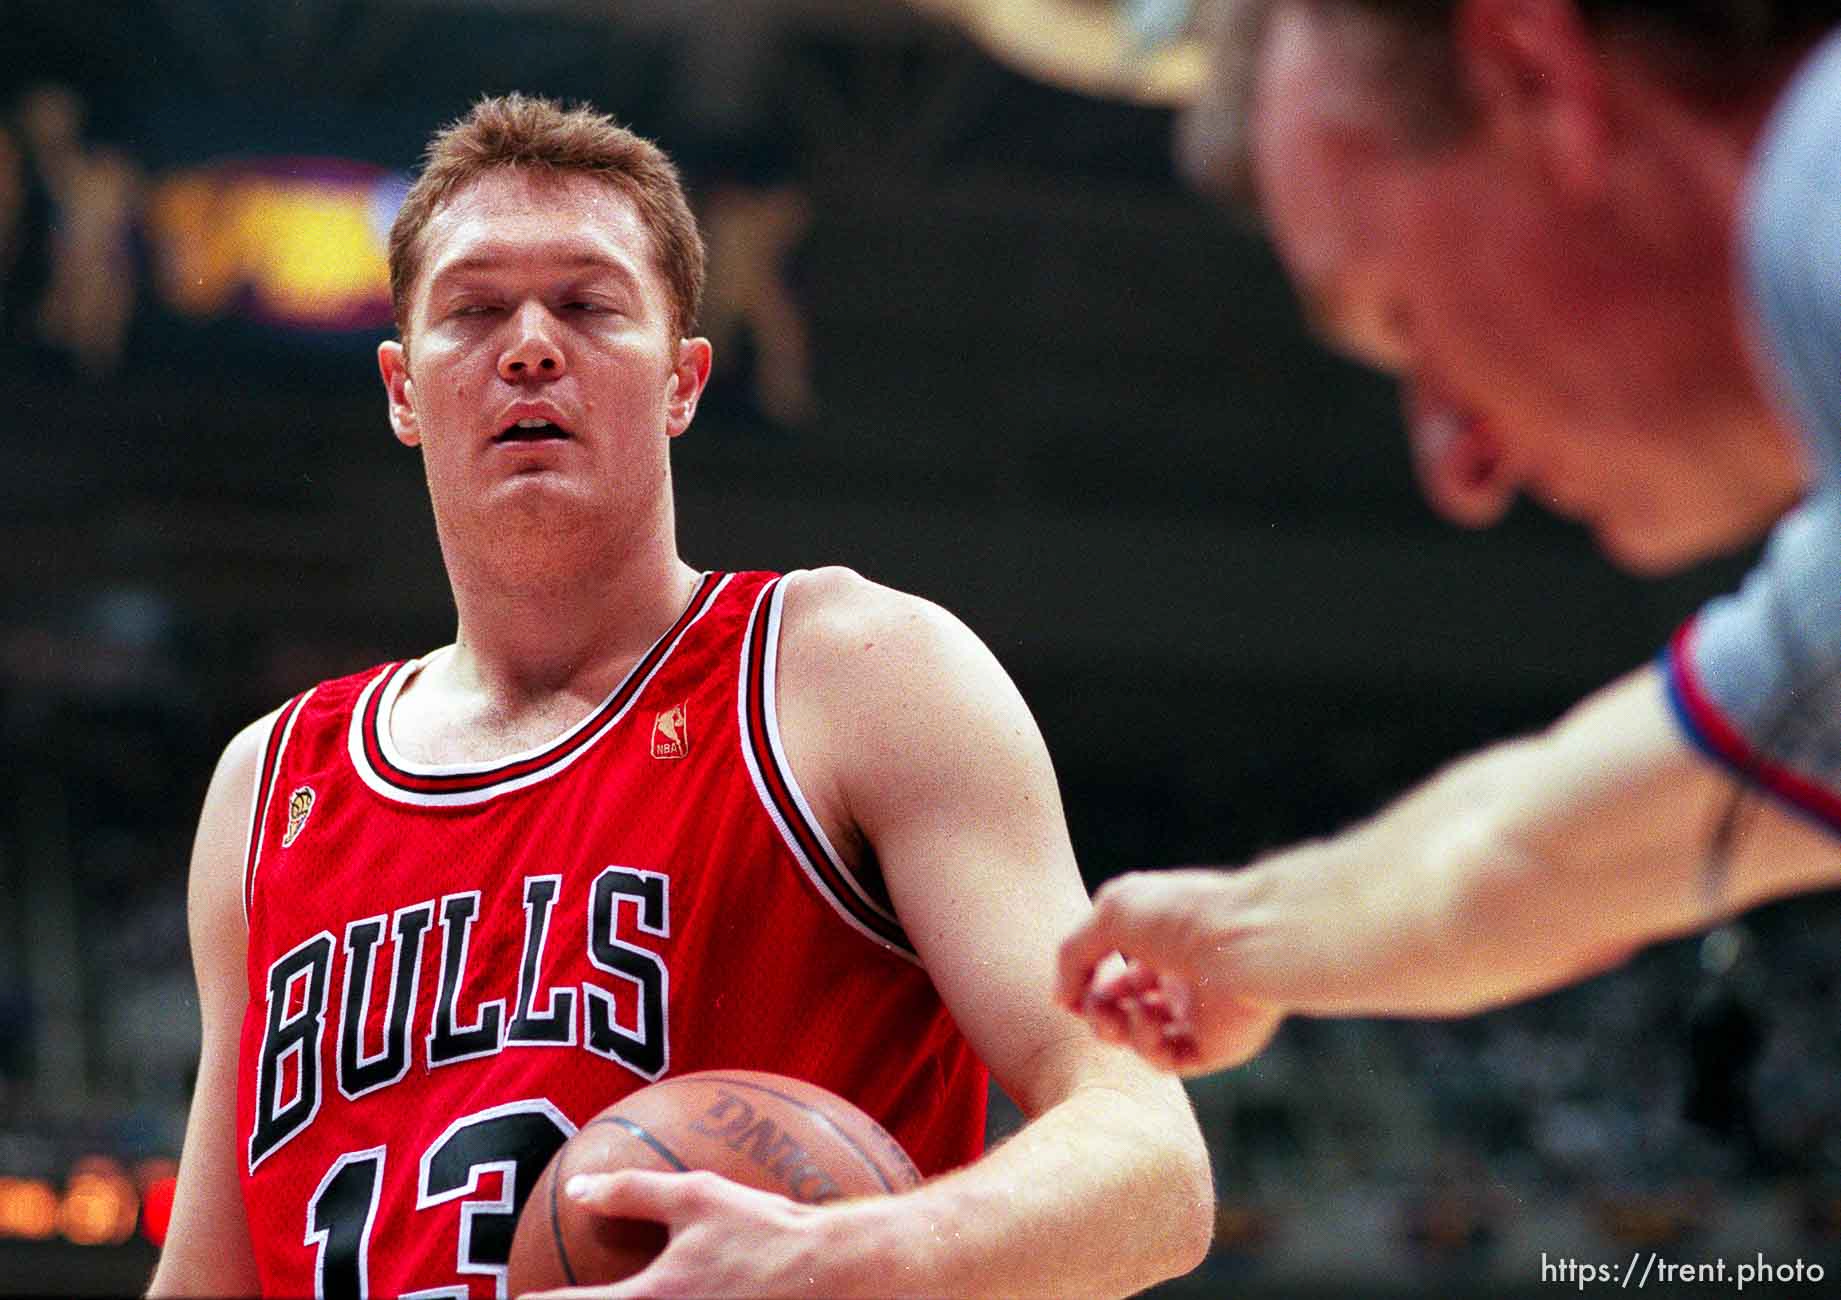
{"type": "Point", "coordinates": [765, 1130]}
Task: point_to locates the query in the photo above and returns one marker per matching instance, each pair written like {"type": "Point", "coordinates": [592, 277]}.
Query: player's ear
{"type": "Point", "coordinates": [399, 390]}
{"type": "Point", "coordinates": [688, 376]}
{"type": "Point", "coordinates": [1534, 77]}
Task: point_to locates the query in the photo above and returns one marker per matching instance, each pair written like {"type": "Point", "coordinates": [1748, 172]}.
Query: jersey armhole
{"type": "Point", "coordinates": [863, 905]}
{"type": "Point", "coordinates": [262, 793]}
{"type": "Point", "coordinates": [1718, 739]}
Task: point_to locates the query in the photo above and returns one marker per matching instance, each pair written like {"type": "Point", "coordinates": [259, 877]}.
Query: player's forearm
{"type": "Point", "coordinates": [207, 1250]}
{"type": "Point", "coordinates": [1519, 869]}
{"type": "Point", "coordinates": [1104, 1194]}
{"type": "Point", "coordinates": [1417, 920]}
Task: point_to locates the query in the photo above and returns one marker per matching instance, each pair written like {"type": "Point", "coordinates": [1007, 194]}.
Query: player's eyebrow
{"type": "Point", "coordinates": [490, 259]}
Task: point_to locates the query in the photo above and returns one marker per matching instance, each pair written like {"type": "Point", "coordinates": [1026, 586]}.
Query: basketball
{"type": "Point", "coordinates": [765, 1130]}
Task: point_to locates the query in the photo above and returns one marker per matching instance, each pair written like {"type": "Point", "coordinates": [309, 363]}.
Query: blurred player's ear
{"type": "Point", "coordinates": [1532, 70]}
{"type": "Point", "coordinates": [393, 365]}
{"type": "Point", "coordinates": [688, 377]}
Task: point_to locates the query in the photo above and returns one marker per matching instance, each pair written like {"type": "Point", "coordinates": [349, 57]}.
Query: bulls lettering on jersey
{"type": "Point", "coordinates": [451, 968]}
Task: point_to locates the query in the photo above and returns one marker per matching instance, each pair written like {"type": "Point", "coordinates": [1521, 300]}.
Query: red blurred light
{"type": "Point", "coordinates": [157, 1208]}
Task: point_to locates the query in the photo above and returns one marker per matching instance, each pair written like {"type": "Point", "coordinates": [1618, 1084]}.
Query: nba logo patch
{"type": "Point", "coordinates": [300, 803]}
{"type": "Point", "coordinates": [671, 734]}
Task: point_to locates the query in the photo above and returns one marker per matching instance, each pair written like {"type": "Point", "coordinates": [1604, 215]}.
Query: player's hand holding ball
{"type": "Point", "coordinates": [662, 1187]}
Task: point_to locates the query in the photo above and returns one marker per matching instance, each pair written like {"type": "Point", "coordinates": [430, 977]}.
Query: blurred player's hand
{"type": "Point", "coordinates": [1173, 1000]}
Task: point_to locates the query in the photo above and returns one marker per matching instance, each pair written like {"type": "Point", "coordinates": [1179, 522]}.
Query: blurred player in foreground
{"type": "Point", "coordinates": [1597, 243]}
{"type": "Point", "coordinates": [636, 820]}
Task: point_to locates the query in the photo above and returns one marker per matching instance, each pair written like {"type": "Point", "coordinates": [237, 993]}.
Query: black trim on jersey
{"type": "Point", "coordinates": [577, 738]}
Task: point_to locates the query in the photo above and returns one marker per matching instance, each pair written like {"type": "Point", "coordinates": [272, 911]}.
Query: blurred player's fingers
{"type": "Point", "coordinates": [1164, 1044]}
{"type": "Point", "coordinates": [1177, 996]}
{"type": "Point", "coordinates": [1221, 1036]}
{"type": "Point", "coordinates": [1147, 1028]}
{"type": "Point", "coordinates": [1109, 1017]}
{"type": "Point", "coordinates": [1113, 925]}
{"type": "Point", "coordinates": [1117, 978]}
{"type": "Point", "coordinates": [1181, 1051]}
{"type": "Point", "coordinates": [1166, 999]}
{"type": "Point", "coordinates": [1112, 982]}
{"type": "Point", "coordinates": [1081, 953]}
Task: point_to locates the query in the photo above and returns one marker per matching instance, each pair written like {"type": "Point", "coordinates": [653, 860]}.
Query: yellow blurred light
{"type": "Point", "coordinates": [99, 1209]}
{"type": "Point", "coordinates": [309, 250]}
{"type": "Point", "coordinates": [304, 250]}
{"type": "Point", "coordinates": [28, 1208]}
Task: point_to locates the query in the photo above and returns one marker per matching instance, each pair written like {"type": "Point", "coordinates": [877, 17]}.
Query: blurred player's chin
{"type": "Point", "coordinates": [1652, 548]}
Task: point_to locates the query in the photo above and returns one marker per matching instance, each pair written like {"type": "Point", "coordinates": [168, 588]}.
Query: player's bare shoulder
{"type": "Point", "coordinates": [874, 687]}
{"type": "Point", "coordinates": [215, 893]}
{"type": "Point", "coordinates": [224, 821]}
{"type": "Point", "coordinates": [244, 751]}
{"type": "Point", "coordinates": [892, 679]}
{"type": "Point", "coordinates": [836, 621]}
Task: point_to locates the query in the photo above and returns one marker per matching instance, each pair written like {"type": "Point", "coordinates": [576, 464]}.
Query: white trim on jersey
{"type": "Point", "coordinates": [775, 592]}
{"type": "Point", "coordinates": [252, 854]}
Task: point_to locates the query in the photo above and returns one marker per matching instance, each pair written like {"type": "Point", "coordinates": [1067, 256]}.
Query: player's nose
{"type": "Point", "coordinates": [1462, 466]}
{"type": "Point", "coordinates": [533, 349]}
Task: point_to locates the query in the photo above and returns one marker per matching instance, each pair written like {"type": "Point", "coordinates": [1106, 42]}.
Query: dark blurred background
{"type": "Point", "coordinates": [975, 340]}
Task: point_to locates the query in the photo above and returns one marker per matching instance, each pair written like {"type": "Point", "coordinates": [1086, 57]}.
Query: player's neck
{"type": "Point", "coordinates": [571, 629]}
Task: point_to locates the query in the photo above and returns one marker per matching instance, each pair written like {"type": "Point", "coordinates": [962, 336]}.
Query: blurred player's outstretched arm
{"type": "Point", "coordinates": [1517, 870]}
{"type": "Point", "coordinates": [915, 747]}
{"type": "Point", "coordinates": [207, 1243]}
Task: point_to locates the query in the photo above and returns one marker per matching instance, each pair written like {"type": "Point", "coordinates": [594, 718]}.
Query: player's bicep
{"type": "Point", "coordinates": [208, 1249]}
{"type": "Point", "coordinates": [953, 786]}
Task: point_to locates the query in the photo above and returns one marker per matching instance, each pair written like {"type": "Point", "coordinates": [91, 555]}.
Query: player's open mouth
{"type": "Point", "coordinates": [531, 430]}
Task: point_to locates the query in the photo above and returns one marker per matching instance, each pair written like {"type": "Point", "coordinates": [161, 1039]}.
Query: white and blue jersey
{"type": "Point", "coordinates": [1755, 677]}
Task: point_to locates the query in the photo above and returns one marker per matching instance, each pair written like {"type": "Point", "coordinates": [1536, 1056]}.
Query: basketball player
{"type": "Point", "coordinates": [637, 820]}
{"type": "Point", "coordinates": [1595, 240]}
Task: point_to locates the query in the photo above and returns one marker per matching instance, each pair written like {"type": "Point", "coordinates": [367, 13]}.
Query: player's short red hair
{"type": "Point", "coordinates": [525, 131]}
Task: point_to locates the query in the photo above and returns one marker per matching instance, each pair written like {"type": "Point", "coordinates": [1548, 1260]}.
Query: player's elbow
{"type": "Point", "coordinates": [1195, 1227]}
{"type": "Point", "coordinates": [1187, 1190]}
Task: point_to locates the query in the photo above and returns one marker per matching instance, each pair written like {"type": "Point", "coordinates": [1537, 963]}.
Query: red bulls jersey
{"type": "Point", "coordinates": [453, 967]}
